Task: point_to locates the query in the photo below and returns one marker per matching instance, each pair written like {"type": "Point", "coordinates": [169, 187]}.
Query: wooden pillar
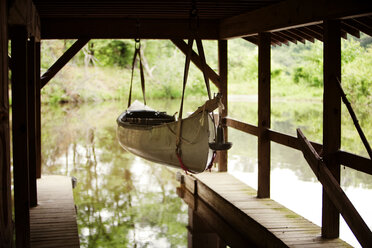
{"type": "Point", "coordinates": [200, 234]}
{"type": "Point", "coordinates": [38, 109]}
{"type": "Point", "coordinates": [20, 136]}
{"type": "Point", "coordinates": [222, 68]}
{"type": "Point", "coordinates": [6, 230]}
{"type": "Point", "coordinates": [31, 122]}
{"type": "Point", "coordinates": [331, 119]}
{"type": "Point", "coordinates": [264, 105]}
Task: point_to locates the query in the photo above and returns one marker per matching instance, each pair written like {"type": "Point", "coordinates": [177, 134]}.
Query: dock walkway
{"type": "Point", "coordinates": [53, 221]}
{"type": "Point", "coordinates": [241, 219]}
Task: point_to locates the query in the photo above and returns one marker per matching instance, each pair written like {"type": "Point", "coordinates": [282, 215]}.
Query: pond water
{"type": "Point", "coordinates": [125, 201]}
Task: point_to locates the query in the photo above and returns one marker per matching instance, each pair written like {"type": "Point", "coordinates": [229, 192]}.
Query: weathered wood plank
{"type": "Point", "coordinates": [263, 222]}
{"type": "Point", "coordinates": [6, 229]}
{"type": "Point", "coordinates": [333, 189]}
{"type": "Point", "coordinates": [53, 221]}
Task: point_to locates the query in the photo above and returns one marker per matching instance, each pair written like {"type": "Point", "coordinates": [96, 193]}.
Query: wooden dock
{"type": "Point", "coordinates": [233, 211]}
{"type": "Point", "coordinates": [53, 221]}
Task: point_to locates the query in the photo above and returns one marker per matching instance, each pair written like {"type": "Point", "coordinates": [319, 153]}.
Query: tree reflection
{"type": "Point", "coordinates": [121, 201]}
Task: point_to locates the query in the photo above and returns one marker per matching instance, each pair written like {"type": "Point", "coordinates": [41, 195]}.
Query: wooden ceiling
{"type": "Point", "coordinates": [287, 20]}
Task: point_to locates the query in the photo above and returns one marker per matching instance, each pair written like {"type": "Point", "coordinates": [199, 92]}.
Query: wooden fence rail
{"type": "Point", "coordinates": [350, 160]}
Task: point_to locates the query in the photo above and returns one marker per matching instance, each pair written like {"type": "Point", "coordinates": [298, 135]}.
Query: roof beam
{"type": "Point", "coordinates": [290, 14]}
{"type": "Point", "coordinates": [125, 28]}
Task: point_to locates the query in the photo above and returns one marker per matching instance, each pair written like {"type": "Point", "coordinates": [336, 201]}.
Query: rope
{"type": "Point", "coordinates": [137, 52]}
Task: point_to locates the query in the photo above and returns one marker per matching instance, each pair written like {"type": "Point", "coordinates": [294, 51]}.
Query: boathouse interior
{"type": "Point", "coordinates": [266, 23]}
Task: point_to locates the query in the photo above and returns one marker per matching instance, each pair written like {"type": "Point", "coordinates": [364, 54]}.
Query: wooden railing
{"type": "Point", "coordinates": [350, 160]}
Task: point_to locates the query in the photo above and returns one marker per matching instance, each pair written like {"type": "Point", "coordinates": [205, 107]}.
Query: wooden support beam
{"type": "Point", "coordinates": [212, 75]}
{"type": "Point", "coordinates": [264, 110]}
{"type": "Point", "coordinates": [20, 136]}
{"type": "Point", "coordinates": [24, 13]}
{"type": "Point", "coordinates": [6, 225]}
{"type": "Point", "coordinates": [38, 109]}
{"type": "Point", "coordinates": [222, 69]}
{"type": "Point", "coordinates": [62, 61]}
{"type": "Point", "coordinates": [31, 122]}
{"type": "Point", "coordinates": [331, 119]}
{"type": "Point", "coordinates": [291, 13]}
{"type": "Point", "coordinates": [125, 28]}
{"type": "Point", "coordinates": [333, 189]}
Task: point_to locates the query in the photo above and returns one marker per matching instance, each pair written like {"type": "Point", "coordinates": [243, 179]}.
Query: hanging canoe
{"type": "Point", "coordinates": [152, 135]}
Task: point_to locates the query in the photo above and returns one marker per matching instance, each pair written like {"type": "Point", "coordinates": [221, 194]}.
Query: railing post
{"type": "Point", "coordinates": [222, 68]}
{"type": "Point", "coordinates": [19, 37]}
{"type": "Point", "coordinates": [264, 106]}
{"type": "Point", "coordinates": [331, 119]}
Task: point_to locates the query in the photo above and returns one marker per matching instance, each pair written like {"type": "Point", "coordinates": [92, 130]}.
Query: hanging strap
{"type": "Point", "coordinates": [185, 75]}
{"type": "Point", "coordinates": [204, 66]}
{"type": "Point", "coordinates": [137, 52]}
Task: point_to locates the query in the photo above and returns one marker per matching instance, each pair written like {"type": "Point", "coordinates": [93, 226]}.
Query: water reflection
{"type": "Point", "coordinates": [122, 201]}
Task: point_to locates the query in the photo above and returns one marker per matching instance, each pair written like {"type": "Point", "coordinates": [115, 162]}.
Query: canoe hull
{"type": "Point", "coordinates": [158, 143]}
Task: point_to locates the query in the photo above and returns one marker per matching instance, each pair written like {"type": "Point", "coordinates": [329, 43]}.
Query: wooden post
{"type": "Point", "coordinates": [20, 136]}
{"type": "Point", "coordinates": [222, 68]}
{"type": "Point", "coordinates": [264, 105]}
{"type": "Point", "coordinates": [31, 122]}
{"type": "Point", "coordinates": [331, 119]}
{"type": "Point", "coordinates": [6, 230]}
{"type": "Point", "coordinates": [38, 110]}
{"type": "Point", "coordinates": [200, 234]}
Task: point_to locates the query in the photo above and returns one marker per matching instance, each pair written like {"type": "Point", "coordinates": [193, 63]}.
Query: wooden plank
{"type": "Point", "coordinates": [31, 122]}
{"type": "Point", "coordinates": [223, 89]}
{"type": "Point", "coordinates": [290, 14]}
{"type": "Point", "coordinates": [264, 222]}
{"type": "Point", "coordinates": [333, 189]}
{"type": "Point", "coordinates": [20, 136]}
{"type": "Point", "coordinates": [331, 119]}
{"type": "Point", "coordinates": [111, 28]}
{"type": "Point", "coordinates": [212, 75]}
{"type": "Point", "coordinates": [53, 221]}
{"type": "Point", "coordinates": [62, 61]}
{"type": "Point", "coordinates": [6, 226]}
{"type": "Point", "coordinates": [244, 127]}
{"type": "Point", "coordinates": [264, 113]}
{"type": "Point", "coordinates": [355, 161]}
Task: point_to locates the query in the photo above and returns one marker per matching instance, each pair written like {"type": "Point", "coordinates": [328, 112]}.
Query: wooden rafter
{"type": "Point", "coordinates": [62, 61]}
{"type": "Point", "coordinates": [291, 13]}
{"type": "Point", "coordinates": [213, 76]}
